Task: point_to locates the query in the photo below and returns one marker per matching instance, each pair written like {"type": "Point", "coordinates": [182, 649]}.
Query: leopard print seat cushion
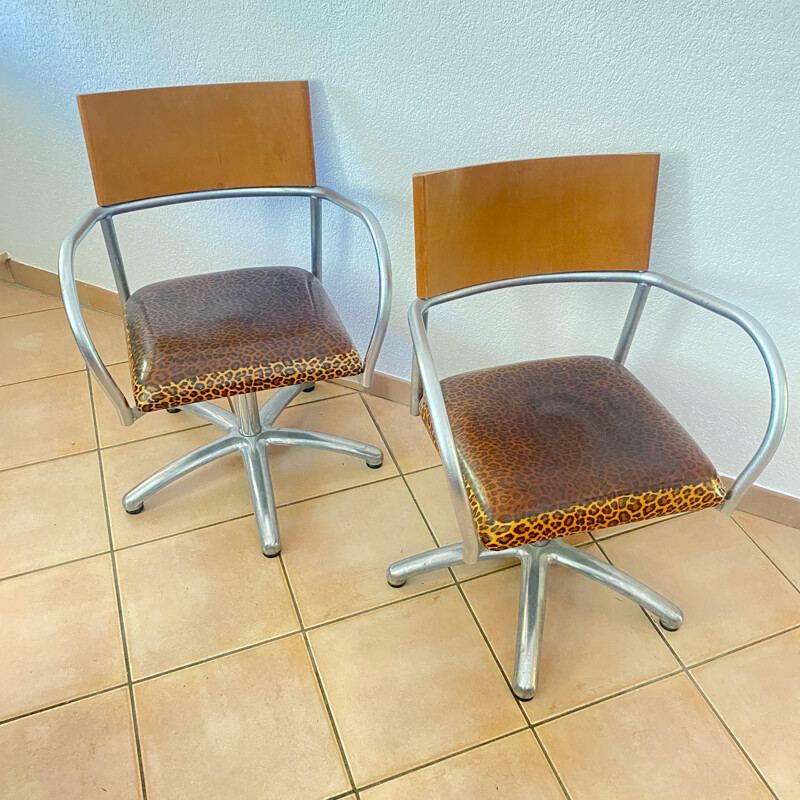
{"type": "Point", "coordinates": [225, 333]}
{"type": "Point", "coordinates": [561, 446]}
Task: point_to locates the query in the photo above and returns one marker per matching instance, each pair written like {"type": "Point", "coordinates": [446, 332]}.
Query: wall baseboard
{"type": "Point", "coordinates": [47, 282]}
{"type": "Point", "coordinates": [759, 501]}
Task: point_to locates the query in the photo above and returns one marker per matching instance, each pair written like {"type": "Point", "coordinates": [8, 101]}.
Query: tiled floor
{"type": "Point", "coordinates": [162, 656]}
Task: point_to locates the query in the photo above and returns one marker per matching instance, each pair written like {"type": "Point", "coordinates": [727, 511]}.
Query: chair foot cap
{"type": "Point", "coordinates": [173, 410]}
{"type": "Point", "coordinates": [375, 466]}
{"type": "Point", "coordinates": [135, 510]}
{"type": "Point", "coordinates": [309, 388]}
{"type": "Point", "coordinates": [670, 628]}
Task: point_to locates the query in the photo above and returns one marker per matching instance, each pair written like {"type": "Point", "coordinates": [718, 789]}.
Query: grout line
{"type": "Point", "coordinates": [596, 702]}
{"type": "Point", "coordinates": [120, 615]}
{"type": "Point", "coordinates": [742, 647]}
{"type": "Point", "coordinates": [688, 674]}
{"type": "Point", "coordinates": [55, 374]}
{"type": "Point", "coordinates": [43, 377]}
{"type": "Point", "coordinates": [440, 759]}
{"type": "Point", "coordinates": [48, 460]}
{"type": "Point", "coordinates": [37, 311]}
{"type": "Point", "coordinates": [417, 471]}
{"type": "Point", "coordinates": [764, 552]}
{"type": "Point", "coordinates": [731, 734]}
{"type": "Point", "coordinates": [318, 678]}
{"type": "Point", "coordinates": [225, 654]}
{"type": "Point", "coordinates": [68, 702]}
{"type": "Point", "coordinates": [645, 524]}
{"type": "Point", "coordinates": [550, 762]}
{"type": "Point", "coordinates": [104, 448]}
{"type": "Point", "coordinates": [181, 533]}
{"type": "Point", "coordinates": [53, 566]}
{"type": "Point", "coordinates": [317, 625]}
{"type": "Point", "coordinates": [471, 611]}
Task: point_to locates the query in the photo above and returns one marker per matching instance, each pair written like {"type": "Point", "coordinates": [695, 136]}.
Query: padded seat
{"type": "Point", "coordinates": [555, 447]}
{"type": "Point", "coordinates": [226, 333]}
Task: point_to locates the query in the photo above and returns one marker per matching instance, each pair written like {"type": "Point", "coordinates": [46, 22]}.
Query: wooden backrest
{"type": "Point", "coordinates": [506, 220]}
{"type": "Point", "coordinates": [155, 142]}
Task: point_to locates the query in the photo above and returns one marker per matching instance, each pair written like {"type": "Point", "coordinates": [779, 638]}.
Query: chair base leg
{"type": "Point", "coordinates": [535, 561]}
{"type": "Point", "coordinates": [250, 432]}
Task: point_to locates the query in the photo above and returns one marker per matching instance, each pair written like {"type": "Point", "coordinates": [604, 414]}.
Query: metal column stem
{"type": "Point", "coordinates": [250, 432]}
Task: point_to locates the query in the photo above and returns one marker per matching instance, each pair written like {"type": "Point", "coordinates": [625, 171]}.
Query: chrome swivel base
{"type": "Point", "coordinates": [534, 560]}
{"type": "Point", "coordinates": [250, 432]}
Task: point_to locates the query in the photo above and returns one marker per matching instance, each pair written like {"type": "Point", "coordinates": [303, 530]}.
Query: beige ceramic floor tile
{"type": "Point", "coordinates": [757, 693]}
{"type": "Point", "coordinates": [40, 345]}
{"type": "Point", "coordinates": [45, 419]}
{"type": "Point", "coordinates": [19, 300]}
{"type": "Point", "coordinates": [213, 493]}
{"type": "Point", "coordinates": [302, 472]}
{"type": "Point", "coordinates": [729, 592]}
{"type": "Point", "coordinates": [780, 542]}
{"type": "Point", "coordinates": [410, 683]}
{"type": "Point", "coordinates": [154, 423]}
{"type": "Point", "coordinates": [52, 512]}
{"type": "Point", "coordinates": [615, 530]}
{"type": "Point", "coordinates": [513, 768]}
{"type": "Point", "coordinates": [406, 435]}
{"type": "Point", "coordinates": [251, 724]}
{"type": "Point", "coordinates": [59, 635]}
{"type": "Point", "coordinates": [336, 549]}
{"type": "Point", "coordinates": [322, 391]}
{"type": "Point", "coordinates": [595, 643]}
{"type": "Point", "coordinates": [78, 751]}
{"type": "Point", "coordinates": [200, 594]}
{"type": "Point", "coordinates": [660, 742]}
{"type": "Point", "coordinates": [430, 490]}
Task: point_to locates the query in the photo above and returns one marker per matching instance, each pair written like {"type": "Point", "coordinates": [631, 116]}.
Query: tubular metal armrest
{"type": "Point", "coordinates": [66, 271]}
{"type": "Point", "coordinates": [424, 373]}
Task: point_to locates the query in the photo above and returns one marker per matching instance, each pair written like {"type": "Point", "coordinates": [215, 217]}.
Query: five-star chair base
{"type": "Point", "coordinates": [534, 560]}
{"type": "Point", "coordinates": [250, 432]}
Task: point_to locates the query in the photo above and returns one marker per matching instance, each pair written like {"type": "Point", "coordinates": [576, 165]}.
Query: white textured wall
{"type": "Point", "coordinates": [399, 87]}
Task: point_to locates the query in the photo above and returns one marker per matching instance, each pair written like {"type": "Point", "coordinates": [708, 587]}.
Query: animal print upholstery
{"type": "Point", "coordinates": [554, 447]}
{"type": "Point", "coordinates": [226, 333]}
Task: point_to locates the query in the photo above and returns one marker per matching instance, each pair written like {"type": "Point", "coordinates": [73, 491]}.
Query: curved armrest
{"type": "Point", "coordinates": [776, 374]}
{"type": "Point", "coordinates": [128, 414]}
{"type": "Point", "coordinates": [442, 432]}
{"type": "Point", "coordinates": [384, 278]}
{"type": "Point", "coordinates": [427, 373]}
{"type": "Point", "coordinates": [69, 291]}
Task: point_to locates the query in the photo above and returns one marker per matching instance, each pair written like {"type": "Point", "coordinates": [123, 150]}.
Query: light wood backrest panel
{"type": "Point", "coordinates": [155, 142]}
{"type": "Point", "coordinates": [510, 219]}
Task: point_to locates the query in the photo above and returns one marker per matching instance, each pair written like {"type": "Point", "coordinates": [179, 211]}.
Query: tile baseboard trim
{"type": "Point", "coordinates": [769, 504]}
{"type": "Point", "coordinates": [759, 501]}
{"type": "Point", "coordinates": [386, 386]}
{"type": "Point", "coordinates": [42, 280]}
{"type": "Point", "coordinates": [5, 268]}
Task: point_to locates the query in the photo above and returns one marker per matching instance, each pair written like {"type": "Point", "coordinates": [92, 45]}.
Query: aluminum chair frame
{"type": "Point", "coordinates": [536, 558]}
{"type": "Point", "coordinates": [247, 430]}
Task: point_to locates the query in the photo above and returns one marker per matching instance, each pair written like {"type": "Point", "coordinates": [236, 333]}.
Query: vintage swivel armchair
{"type": "Point", "coordinates": [535, 451]}
{"type": "Point", "coordinates": [224, 334]}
